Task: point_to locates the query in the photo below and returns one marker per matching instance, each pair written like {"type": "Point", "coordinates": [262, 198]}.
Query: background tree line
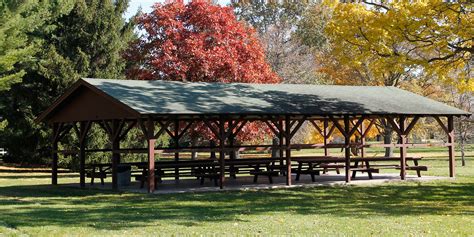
{"type": "Point", "coordinates": [47, 45]}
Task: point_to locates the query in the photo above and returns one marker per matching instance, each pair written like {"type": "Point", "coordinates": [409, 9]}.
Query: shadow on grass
{"type": "Point", "coordinates": [42, 205]}
{"type": "Point", "coordinates": [37, 176]}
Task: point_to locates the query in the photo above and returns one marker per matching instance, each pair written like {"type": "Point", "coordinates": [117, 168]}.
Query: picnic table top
{"type": "Point", "coordinates": [334, 159]}
{"type": "Point", "coordinates": [251, 161]}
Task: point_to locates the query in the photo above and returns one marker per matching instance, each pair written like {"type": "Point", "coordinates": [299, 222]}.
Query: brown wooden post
{"type": "Point", "coordinates": [403, 149]}
{"type": "Point", "coordinates": [176, 144]}
{"type": "Point", "coordinates": [452, 159]}
{"type": "Point", "coordinates": [281, 136]}
{"type": "Point", "coordinates": [221, 153]}
{"type": "Point", "coordinates": [288, 149]}
{"type": "Point", "coordinates": [347, 141]}
{"type": "Point", "coordinates": [54, 165]}
{"type": "Point", "coordinates": [151, 164]}
{"type": "Point", "coordinates": [362, 140]}
{"type": "Point", "coordinates": [115, 140]}
{"type": "Point", "coordinates": [325, 136]}
{"type": "Point", "coordinates": [82, 135]}
{"type": "Point", "coordinates": [151, 138]}
{"type": "Point", "coordinates": [82, 166]}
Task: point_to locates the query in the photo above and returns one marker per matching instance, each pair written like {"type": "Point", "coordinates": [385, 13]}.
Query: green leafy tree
{"type": "Point", "coordinates": [86, 41]}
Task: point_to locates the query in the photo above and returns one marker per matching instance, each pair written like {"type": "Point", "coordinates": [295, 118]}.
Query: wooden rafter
{"type": "Point", "coordinates": [298, 126]}
{"type": "Point", "coordinates": [372, 123]}
{"type": "Point", "coordinates": [411, 125]}
{"type": "Point", "coordinates": [394, 125]}
{"type": "Point", "coordinates": [274, 130]}
{"type": "Point", "coordinates": [127, 129]}
{"type": "Point", "coordinates": [331, 130]}
{"type": "Point", "coordinates": [162, 129]}
{"type": "Point", "coordinates": [441, 123]}
{"type": "Point", "coordinates": [239, 128]}
{"type": "Point", "coordinates": [211, 127]}
{"type": "Point", "coordinates": [358, 129]}
{"type": "Point", "coordinates": [356, 126]}
{"type": "Point", "coordinates": [165, 127]}
{"type": "Point", "coordinates": [317, 127]}
{"type": "Point", "coordinates": [183, 131]}
{"type": "Point", "coordinates": [338, 125]}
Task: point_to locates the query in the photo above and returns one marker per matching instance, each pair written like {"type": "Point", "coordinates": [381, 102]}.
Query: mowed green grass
{"type": "Point", "coordinates": [30, 206]}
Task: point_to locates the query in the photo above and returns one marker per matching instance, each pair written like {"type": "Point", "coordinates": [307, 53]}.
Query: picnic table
{"type": "Point", "coordinates": [370, 168]}
{"type": "Point", "coordinates": [312, 165]}
{"type": "Point", "coordinates": [99, 171]}
{"type": "Point", "coordinates": [255, 166]}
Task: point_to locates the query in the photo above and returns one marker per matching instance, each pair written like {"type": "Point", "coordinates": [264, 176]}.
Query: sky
{"type": "Point", "coordinates": [146, 6]}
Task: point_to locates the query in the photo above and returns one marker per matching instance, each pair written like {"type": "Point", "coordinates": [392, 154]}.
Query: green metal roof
{"type": "Point", "coordinates": [168, 97]}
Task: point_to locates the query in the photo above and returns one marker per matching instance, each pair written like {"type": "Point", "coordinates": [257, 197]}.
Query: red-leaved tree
{"type": "Point", "coordinates": [198, 41]}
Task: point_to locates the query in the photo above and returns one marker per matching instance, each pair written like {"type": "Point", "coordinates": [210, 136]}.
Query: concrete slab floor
{"type": "Point", "coordinates": [243, 183]}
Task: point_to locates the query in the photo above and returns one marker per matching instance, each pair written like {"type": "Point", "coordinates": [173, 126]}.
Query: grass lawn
{"type": "Point", "coordinates": [30, 206]}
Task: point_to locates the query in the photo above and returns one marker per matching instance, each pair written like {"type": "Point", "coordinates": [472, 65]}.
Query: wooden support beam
{"type": "Point", "coordinates": [215, 131]}
{"type": "Point", "coordinates": [151, 164]}
{"type": "Point", "coordinates": [356, 126]}
{"type": "Point", "coordinates": [441, 124]}
{"type": "Point", "coordinates": [339, 127]}
{"type": "Point", "coordinates": [394, 124]}
{"type": "Point", "coordinates": [222, 138]}
{"type": "Point", "coordinates": [288, 126]}
{"type": "Point", "coordinates": [176, 146]}
{"type": "Point", "coordinates": [403, 150]}
{"type": "Point", "coordinates": [127, 129]}
{"type": "Point", "coordinates": [55, 140]}
{"type": "Point", "coordinates": [452, 156]}
{"type": "Point", "coordinates": [331, 130]}
{"type": "Point", "coordinates": [239, 128]}
{"type": "Point", "coordinates": [116, 128]}
{"type": "Point", "coordinates": [298, 126]}
{"type": "Point", "coordinates": [82, 131]}
{"type": "Point", "coordinates": [59, 131]}
{"type": "Point", "coordinates": [281, 135]}
{"type": "Point", "coordinates": [315, 125]}
{"type": "Point", "coordinates": [362, 139]}
{"type": "Point", "coordinates": [274, 130]}
{"type": "Point", "coordinates": [325, 136]}
{"type": "Point", "coordinates": [186, 128]}
{"type": "Point", "coordinates": [411, 125]}
{"type": "Point", "coordinates": [366, 131]}
{"type": "Point", "coordinates": [347, 141]}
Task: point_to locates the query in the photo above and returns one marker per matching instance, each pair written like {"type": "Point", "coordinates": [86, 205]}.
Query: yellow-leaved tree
{"type": "Point", "coordinates": [413, 45]}
{"type": "Point", "coordinates": [389, 42]}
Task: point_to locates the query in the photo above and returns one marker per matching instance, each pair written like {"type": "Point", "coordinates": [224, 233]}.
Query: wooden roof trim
{"type": "Point", "coordinates": [75, 87]}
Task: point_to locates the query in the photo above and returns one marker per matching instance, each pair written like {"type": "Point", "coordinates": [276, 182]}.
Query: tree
{"type": "Point", "coordinates": [277, 26]}
{"type": "Point", "coordinates": [396, 38]}
{"type": "Point", "coordinates": [78, 39]}
{"type": "Point", "coordinates": [198, 41]}
{"type": "Point", "coordinates": [395, 43]}
{"type": "Point", "coordinates": [17, 20]}
{"type": "Point", "coordinates": [464, 125]}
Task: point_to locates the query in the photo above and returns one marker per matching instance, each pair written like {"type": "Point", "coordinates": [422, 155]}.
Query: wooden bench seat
{"type": "Point", "coordinates": [418, 169]}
